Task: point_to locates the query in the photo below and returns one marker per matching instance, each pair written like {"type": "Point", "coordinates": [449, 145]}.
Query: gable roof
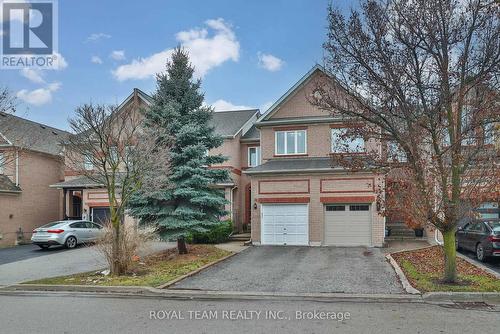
{"type": "Point", "coordinates": [252, 134]}
{"type": "Point", "coordinates": [23, 133]}
{"type": "Point", "coordinates": [229, 123]}
{"type": "Point", "coordinates": [289, 93]}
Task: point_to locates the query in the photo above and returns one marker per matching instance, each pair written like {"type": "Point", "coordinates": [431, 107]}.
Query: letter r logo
{"type": "Point", "coordinates": [28, 27]}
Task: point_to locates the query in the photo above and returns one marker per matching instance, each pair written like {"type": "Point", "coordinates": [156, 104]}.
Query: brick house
{"type": "Point", "coordinates": [30, 160]}
{"type": "Point", "coordinates": [283, 184]}
{"type": "Point", "coordinates": [83, 198]}
{"type": "Point", "coordinates": [299, 196]}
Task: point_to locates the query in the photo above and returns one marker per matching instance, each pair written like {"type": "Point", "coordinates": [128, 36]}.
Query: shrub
{"type": "Point", "coordinates": [215, 235]}
{"type": "Point", "coordinates": [131, 240]}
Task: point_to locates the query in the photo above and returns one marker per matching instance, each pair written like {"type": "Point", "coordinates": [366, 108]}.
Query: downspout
{"type": "Point", "coordinates": [17, 168]}
{"type": "Point", "coordinates": [231, 199]}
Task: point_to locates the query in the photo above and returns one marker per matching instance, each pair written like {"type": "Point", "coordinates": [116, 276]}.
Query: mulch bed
{"type": "Point", "coordinates": [431, 260]}
{"type": "Point", "coordinates": [424, 269]}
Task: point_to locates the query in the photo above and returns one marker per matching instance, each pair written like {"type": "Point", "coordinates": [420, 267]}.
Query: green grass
{"type": "Point", "coordinates": [156, 270]}
{"type": "Point", "coordinates": [428, 282]}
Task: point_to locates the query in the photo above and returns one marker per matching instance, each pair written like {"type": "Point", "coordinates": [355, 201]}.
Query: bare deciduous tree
{"type": "Point", "coordinates": [110, 147]}
{"type": "Point", "coordinates": [8, 104]}
{"type": "Point", "coordinates": [422, 76]}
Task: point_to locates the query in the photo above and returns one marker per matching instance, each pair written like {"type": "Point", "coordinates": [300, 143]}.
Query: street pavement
{"type": "Point", "coordinates": [26, 263]}
{"type": "Point", "coordinates": [48, 313]}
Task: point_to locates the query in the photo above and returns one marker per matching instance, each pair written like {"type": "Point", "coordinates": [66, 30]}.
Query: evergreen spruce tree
{"type": "Point", "coordinates": [186, 201]}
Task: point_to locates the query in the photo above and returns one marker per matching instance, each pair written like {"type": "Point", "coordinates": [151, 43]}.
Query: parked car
{"type": "Point", "coordinates": [68, 233]}
{"type": "Point", "coordinates": [481, 236]}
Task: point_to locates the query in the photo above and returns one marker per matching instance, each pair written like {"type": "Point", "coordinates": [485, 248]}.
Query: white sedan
{"type": "Point", "coordinates": [68, 233]}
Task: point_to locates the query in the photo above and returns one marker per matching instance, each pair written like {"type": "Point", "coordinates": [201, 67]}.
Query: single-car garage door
{"type": "Point", "coordinates": [347, 225]}
{"type": "Point", "coordinates": [101, 215]}
{"type": "Point", "coordinates": [285, 224]}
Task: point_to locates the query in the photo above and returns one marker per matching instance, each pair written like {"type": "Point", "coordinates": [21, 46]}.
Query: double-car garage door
{"type": "Point", "coordinates": [344, 224]}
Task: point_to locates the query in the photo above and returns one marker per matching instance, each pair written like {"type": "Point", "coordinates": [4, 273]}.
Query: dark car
{"type": "Point", "coordinates": [481, 236]}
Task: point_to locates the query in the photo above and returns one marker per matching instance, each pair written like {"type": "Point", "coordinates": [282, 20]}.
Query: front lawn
{"type": "Point", "coordinates": [153, 270]}
{"type": "Point", "coordinates": [424, 269]}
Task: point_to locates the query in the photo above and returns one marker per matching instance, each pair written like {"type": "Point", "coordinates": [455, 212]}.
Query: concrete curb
{"type": "Point", "coordinates": [479, 265]}
{"type": "Point", "coordinates": [153, 293]}
{"type": "Point", "coordinates": [404, 281]}
{"type": "Point", "coordinates": [457, 297]}
{"type": "Point", "coordinates": [147, 292]}
{"type": "Point", "coordinates": [194, 272]}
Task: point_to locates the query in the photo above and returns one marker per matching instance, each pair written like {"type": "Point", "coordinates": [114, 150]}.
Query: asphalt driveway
{"type": "Point", "coordinates": [299, 269]}
{"type": "Point", "coordinates": [26, 263]}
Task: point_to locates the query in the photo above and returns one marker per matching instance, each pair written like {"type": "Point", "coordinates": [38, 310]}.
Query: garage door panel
{"type": "Point", "coordinates": [347, 228]}
{"type": "Point", "coordinates": [285, 224]}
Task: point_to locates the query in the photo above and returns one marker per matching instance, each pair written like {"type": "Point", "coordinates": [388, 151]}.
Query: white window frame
{"type": "Point", "coordinates": [489, 133]}
{"type": "Point", "coordinates": [286, 132]}
{"type": "Point", "coordinates": [114, 155]}
{"type": "Point", "coordinates": [87, 162]}
{"type": "Point", "coordinates": [332, 144]}
{"type": "Point", "coordinates": [259, 157]}
{"type": "Point", "coordinates": [3, 161]}
{"type": "Point", "coordinates": [395, 152]}
{"type": "Point", "coordinates": [467, 133]}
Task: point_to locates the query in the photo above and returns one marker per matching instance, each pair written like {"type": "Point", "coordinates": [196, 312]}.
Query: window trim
{"type": "Point", "coordinates": [87, 162]}
{"type": "Point", "coordinates": [332, 151]}
{"type": "Point", "coordinates": [489, 133]}
{"type": "Point", "coordinates": [259, 156]}
{"type": "Point", "coordinates": [285, 143]}
{"type": "Point", "coordinates": [3, 162]}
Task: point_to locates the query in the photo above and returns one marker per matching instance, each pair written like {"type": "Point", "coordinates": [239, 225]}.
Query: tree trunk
{"type": "Point", "coordinates": [181, 245]}
{"type": "Point", "coordinates": [116, 268]}
{"type": "Point", "coordinates": [450, 257]}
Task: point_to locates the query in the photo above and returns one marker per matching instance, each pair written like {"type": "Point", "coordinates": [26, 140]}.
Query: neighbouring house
{"type": "Point", "coordinates": [31, 159]}
{"type": "Point", "coordinates": [84, 198]}
{"type": "Point", "coordinates": [299, 195]}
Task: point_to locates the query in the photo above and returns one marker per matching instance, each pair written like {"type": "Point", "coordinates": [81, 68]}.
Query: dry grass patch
{"type": "Point", "coordinates": [153, 270]}
{"type": "Point", "coordinates": [424, 269]}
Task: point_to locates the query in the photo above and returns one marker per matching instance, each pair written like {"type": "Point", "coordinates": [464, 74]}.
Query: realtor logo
{"type": "Point", "coordinates": [29, 33]}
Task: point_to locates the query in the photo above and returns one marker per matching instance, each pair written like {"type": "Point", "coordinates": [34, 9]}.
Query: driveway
{"type": "Point", "coordinates": [299, 269]}
{"type": "Point", "coordinates": [493, 262]}
{"type": "Point", "coordinates": [26, 263]}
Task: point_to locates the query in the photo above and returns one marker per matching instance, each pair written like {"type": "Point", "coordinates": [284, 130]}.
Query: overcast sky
{"type": "Point", "coordinates": [248, 53]}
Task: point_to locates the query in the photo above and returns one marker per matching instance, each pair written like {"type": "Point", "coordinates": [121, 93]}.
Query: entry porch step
{"type": "Point", "coordinates": [240, 237]}
{"type": "Point", "coordinates": [404, 237]}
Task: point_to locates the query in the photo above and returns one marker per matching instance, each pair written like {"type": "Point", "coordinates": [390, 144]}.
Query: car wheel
{"type": "Point", "coordinates": [480, 253]}
{"type": "Point", "coordinates": [70, 242]}
{"type": "Point", "coordinates": [43, 246]}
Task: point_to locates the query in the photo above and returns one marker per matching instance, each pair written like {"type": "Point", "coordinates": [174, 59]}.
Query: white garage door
{"type": "Point", "coordinates": [348, 225]}
{"type": "Point", "coordinates": [285, 224]}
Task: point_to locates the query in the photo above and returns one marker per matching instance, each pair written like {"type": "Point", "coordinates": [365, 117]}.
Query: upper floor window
{"type": "Point", "coordinates": [113, 154]}
{"type": "Point", "coordinates": [87, 162]}
{"type": "Point", "coordinates": [341, 143]}
{"type": "Point", "coordinates": [3, 161]}
{"type": "Point", "coordinates": [129, 154]}
{"type": "Point", "coordinates": [468, 131]}
{"type": "Point", "coordinates": [395, 153]}
{"type": "Point", "coordinates": [489, 133]}
{"type": "Point", "coordinates": [291, 142]}
{"type": "Point", "coordinates": [253, 156]}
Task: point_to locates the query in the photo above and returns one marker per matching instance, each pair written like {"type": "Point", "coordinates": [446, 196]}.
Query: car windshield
{"type": "Point", "coordinates": [495, 226]}
{"type": "Point", "coordinates": [51, 224]}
